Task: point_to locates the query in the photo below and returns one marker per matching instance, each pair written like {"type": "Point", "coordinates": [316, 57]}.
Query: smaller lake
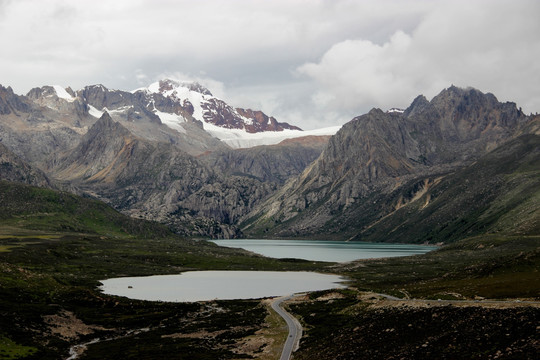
{"type": "Point", "coordinates": [223, 285]}
{"type": "Point", "coordinates": [324, 250]}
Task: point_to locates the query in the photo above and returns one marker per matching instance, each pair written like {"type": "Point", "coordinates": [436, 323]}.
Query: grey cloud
{"type": "Point", "coordinates": [489, 45]}
{"type": "Point", "coordinates": [315, 63]}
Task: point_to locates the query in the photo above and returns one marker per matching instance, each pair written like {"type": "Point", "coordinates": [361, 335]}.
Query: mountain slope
{"type": "Point", "coordinates": [34, 132]}
{"type": "Point", "coordinates": [13, 168]}
{"type": "Point", "coordinates": [32, 208]}
{"type": "Point", "coordinates": [498, 194]}
{"type": "Point", "coordinates": [377, 154]}
{"type": "Point", "coordinates": [157, 181]}
{"type": "Point", "coordinates": [271, 163]}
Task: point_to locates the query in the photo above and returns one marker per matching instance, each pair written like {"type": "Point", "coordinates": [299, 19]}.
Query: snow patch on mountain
{"type": "Point", "coordinates": [62, 93]}
{"type": "Point", "coordinates": [182, 91]}
{"type": "Point", "coordinates": [237, 138]}
{"type": "Point", "coordinates": [171, 120]}
{"type": "Point", "coordinates": [94, 112]}
{"type": "Point", "coordinates": [121, 109]}
{"type": "Point", "coordinates": [218, 118]}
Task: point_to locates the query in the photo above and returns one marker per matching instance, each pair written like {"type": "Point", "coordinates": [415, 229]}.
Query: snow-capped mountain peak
{"type": "Point", "coordinates": [184, 107]}
{"type": "Point", "coordinates": [215, 114]}
{"type": "Point", "coordinates": [168, 87]}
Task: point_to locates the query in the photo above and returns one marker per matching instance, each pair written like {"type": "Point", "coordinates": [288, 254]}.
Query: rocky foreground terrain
{"type": "Point", "coordinates": [383, 329]}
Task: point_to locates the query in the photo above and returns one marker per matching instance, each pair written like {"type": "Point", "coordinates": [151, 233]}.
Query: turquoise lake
{"type": "Point", "coordinates": [324, 250]}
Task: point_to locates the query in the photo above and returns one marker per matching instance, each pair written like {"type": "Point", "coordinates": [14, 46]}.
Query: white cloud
{"type": "Point", "coordinates": [357, 72]}
{"type": "Point", "coordinates": [493, 46]}
{"type": "Point", "coordinates": [142, 78]}
{"type": "Point", "coordinates": [355, 54]}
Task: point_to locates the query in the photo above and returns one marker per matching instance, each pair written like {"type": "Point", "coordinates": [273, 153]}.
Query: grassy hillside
{"type": "Point", "coordinates": [492, 266]}
{"type": "Point", "coordinates": [55, 247]}
{"type": "Point", "coordinates": [457, 324]}
{"type": "Point", "coordinates": [32, 208]}
{"type": "Point", "coordinates": [49, 299]}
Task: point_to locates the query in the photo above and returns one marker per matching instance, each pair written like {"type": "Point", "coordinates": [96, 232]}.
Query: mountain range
{"type": "Point", "coordinates": [458, 165]}
{"type": "Point", "coordinates": [153, 152]}
{"type": "Point", "coordinates": [388, 176]}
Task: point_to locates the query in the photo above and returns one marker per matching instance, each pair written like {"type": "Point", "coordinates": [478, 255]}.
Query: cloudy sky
{"type": "Point", "coordinates": [314, 63]}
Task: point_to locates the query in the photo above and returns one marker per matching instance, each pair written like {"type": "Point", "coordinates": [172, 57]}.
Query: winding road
{"type": "Point", "coordinates": [295, 329]}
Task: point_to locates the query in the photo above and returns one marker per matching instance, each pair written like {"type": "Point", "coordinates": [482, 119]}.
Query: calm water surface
{"type": "Point", "coordinates": [228, 285]}
{"type": "Point", "coordinates": [324, 250]}
{"type": "Point", "coordinates": [223, 285]}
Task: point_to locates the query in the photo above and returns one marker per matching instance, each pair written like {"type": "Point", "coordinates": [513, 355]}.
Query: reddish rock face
{"type": "Point", "coordinates": [217, 111]}
{"type": "Point", "coordinates": [261, 122]}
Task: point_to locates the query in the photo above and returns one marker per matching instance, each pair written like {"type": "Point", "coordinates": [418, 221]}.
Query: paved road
{"type": "Point", "coordinates": [295, 329]}
{"type": "Point", "coordinates": [515, 302]}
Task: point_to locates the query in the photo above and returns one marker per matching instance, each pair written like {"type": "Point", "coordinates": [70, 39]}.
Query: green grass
{"type": "Point", "coordinates": [488, 266]}
{"type": "Point", "coordinates": [29, 208]}
{"type": "Point", "coordinates": [49, 270]}
{"type": "Point", "coordinates": [48, 275]}
{"type": "Point", "coordinates": [11, 350]}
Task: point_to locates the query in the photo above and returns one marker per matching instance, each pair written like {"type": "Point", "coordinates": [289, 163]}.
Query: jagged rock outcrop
{"type": "Point", "coordinates": [10, 103]}
{"type": "Point", "coordinates": [33, 132]}
{"type": "Point", "coordinates": [71, 109]}
{"type": "Point", "coordinates": [459, 124]}
{"type": "Point", "coordinates": [14, 169]}
{"type": "Point", "coordinates": [157, 181]}
{"type": "Point", "coordinates": [274, 163]}
{"type": "Point", "coordinates": [262, 122]}
{"type": "Point", "coordinates": [377, 153]}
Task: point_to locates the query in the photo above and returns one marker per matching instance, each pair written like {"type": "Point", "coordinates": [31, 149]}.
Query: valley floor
{"type": "Point", "coordinates": [49, 302]}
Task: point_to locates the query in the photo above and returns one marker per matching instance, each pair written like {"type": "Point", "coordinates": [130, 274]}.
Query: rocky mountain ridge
{"type": "Point", "coordinates": [185, 114]}
{"type": "Point", "coordinates": [134, 150]}
{"type": "Point", "coordinates": [193, 100]}
{"type": "Point", "coordinates": [157, 181]}
{"type": "Point", "coordinates": [147, 154]}
{"type": "Point", "coordinates": [379, 153]}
